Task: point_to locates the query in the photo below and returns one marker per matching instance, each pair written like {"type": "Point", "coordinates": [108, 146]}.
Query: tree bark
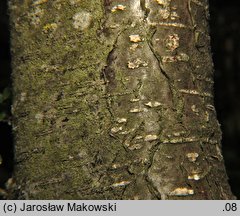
{"type": "Point", "coordinates": [113, 100]}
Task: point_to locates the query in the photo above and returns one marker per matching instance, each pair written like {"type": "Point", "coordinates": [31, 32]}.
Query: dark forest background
{"type": "Point", "coordinates": [225, 39]}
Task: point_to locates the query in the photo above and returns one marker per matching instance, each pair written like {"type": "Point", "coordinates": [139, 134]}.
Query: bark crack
{"type": "Point", "coordinates": [152, 188]}
{"type": "Point", "coordinates": [144, 9]}
{"type": "Point", "coordinates": [176, 97]}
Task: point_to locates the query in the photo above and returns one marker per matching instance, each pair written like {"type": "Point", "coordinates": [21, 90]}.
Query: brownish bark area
{"type": "Point", "coordinates": [120, 106]}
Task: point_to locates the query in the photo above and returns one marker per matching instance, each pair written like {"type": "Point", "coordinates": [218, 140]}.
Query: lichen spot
{"type": "Point", "coordinates": [195, 177]}
{"type": "Point", "coordinates": [135, 100]}
{"type": "Point", "coordinates": [172, 42]}
{"type": "Point", "coordinates": [150, 137]}
{"type": "Point", "coordinates": [116, 129]}
{"type": "Point", "coordinates": [135, 38]}
{"type": "Point", "coordinates": [121, 120]}
{"type": "Point", "coordinates": [82, 20]}
{"type": "Point", "coordinates": [23, 96]}
{"type": "Point", "coordinates": [192, 156]}
{"type": "Point", "coordinates": [38, 2]}
{"type": "Point", "coordinates": [153, 104]}
{"type": "Point", "coordinates": [181, 191]}
{"type": "Point", "coordinates": [137, 63]}
{"type": "Point", "coordinates": [195, 109]}
{"type": "Point", "coordinates": [164, 3]}
{"type": "Point", "coordinates": [118, 8]}
{"type": "Point", "coordinates": [135, 110]}
{"type": "Point", "coordinates": [39, 117]}
{"type": "Point", "coordinates": [121, 184]}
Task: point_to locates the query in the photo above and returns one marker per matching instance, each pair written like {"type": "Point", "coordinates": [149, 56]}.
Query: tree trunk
{"type": "Point", "coordinates": [113, 100]}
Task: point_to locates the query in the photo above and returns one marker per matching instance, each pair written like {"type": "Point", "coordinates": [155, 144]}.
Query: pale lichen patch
{"type": "Point", "coordinates": [153, 104]}
{"type": "Point", "coordinates": [121, 184]}
{"type": "Point", "coordinates": [195, 92]}
{"type": "Point", "coordinates": [194, 176]}
{"type": "Point", "coordinates": [138, 137]}
{"type": "Point", "coordinates": [124, 132]}
{"type": "Point", "coordinates": [38, 2]}
{"type": "Point", "coordinates": [135, 147]}
{"type": "Point", "coordinates": [118, 8]}
{"type": "Point", "coordinates": [165, 13]}
{"type": "Point", "coordinates": [82, 20]}
{"type": "Point", "coordinates": [39, 117]}
{"type": "Point", "coordinates": [115, 166]}
{"type": "Point", "coordinates": [136, 63]}
{"type": "Point", "coordinates": [174, 15]}
{"type": "Point", "coordinates": [206, 116]}
{"type": "Point", "coordinates": [116, 129]}
{"type": "Point", "coordinates": [23, 96]}
{"type": "Point", "coordinates": [35, 15]}
{"type": "Point", "coordinates": [134, 100]}
{"type": "Point", "coordinates": [195, 109]}
{"type": "Point", "coordinates": [192, 156]}
{"type": "Point", "coordinates": [183, 57]}
{"type": "Point", "coordinates": [172, 42]}
{"type": "Point", "coordinates": [135, 38]}
{"type": "Point", "coordinates": [135, 110]}
{"type": "Point", "coordinates": [133, 47]}
{"type": "Point", "coordinates": [121, 120]}
{"type": "Point", "coordinates": [181, 191]}
{"type": "Point", "coordinates": [150, 137]}
{"type": "Point", "coordinates": [164, 3]}
{"type": "Point", "coordinates": [74, 2]}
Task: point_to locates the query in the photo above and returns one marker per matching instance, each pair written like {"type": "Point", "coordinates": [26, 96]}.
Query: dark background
{"type": "Point", "coordinates": [225, 38]}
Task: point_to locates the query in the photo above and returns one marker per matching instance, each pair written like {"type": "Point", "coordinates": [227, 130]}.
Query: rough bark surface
{"type": "Point", "coordinates": [113, 100]}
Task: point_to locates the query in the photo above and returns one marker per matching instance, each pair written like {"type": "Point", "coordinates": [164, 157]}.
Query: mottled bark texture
{"type": "Point", "coordinates": [113, 100]}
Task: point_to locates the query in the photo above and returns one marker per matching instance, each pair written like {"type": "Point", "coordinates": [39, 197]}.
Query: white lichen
{"type": "Point", "coordinates": [124, 132]}
{"type": "Point", "coordinates": [135, 38]}
{"type": "Point", "coordinates": [172, 42]}
{"type": "Point", "coordinates": [121, 120]}
{"type": "Point", "coordinates": [23, 96]}
{"type": "Point", "coordinates": [135, 147]}
{"type": "Point", "coordinates": [82, 20]}
{"type": "Point", "coordinates": [182, 57]}
{"type": "Point", "coordinates": [38, 2]}
{"type": "Point", "coordinates": [195, 92]}
{"type": "Point", "coordinates": [194, 176]}
{"type": "Point", "coordinates": [192, 156]}
{"type": "Point", "coordinates": [206, 116]}
{"type": "Point", "coordinates": [136, 63]}
{"type": "Point", "coordinates": [36, 15]}
{"type": "Point", "coordinates": [164, 3]}
{"type": "Point", "coordinates": [165, 13]}
{"type": "Point", "coordinates": [195, 109]}
{"type": "Point", "coordinates": [181, 191]}
{"type": "Point", "coordinates": [120, 184]}
{"type": "Point", "coordinates": [135, 100]}
{"type": "Point", "coordinates": [153, 104]}
{"type": "Point", "coordinates": [174, 15]}
{"type": "Point", "coordinates": [135, 110]}
{"type": "Point", "coordinates": [150, 137]}
{"type": "Point", "coordinates": [118, 8]}
{"type": "Point", "coordinates": [39, 117]}
{"type": "Point", "coordinates": [116, 129]}
{"type": "Point", "coordinates": [133, 47]}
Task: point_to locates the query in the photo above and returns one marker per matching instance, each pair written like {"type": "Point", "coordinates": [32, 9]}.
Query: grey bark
{"type": "Point", "coordinates": [113, 100]}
